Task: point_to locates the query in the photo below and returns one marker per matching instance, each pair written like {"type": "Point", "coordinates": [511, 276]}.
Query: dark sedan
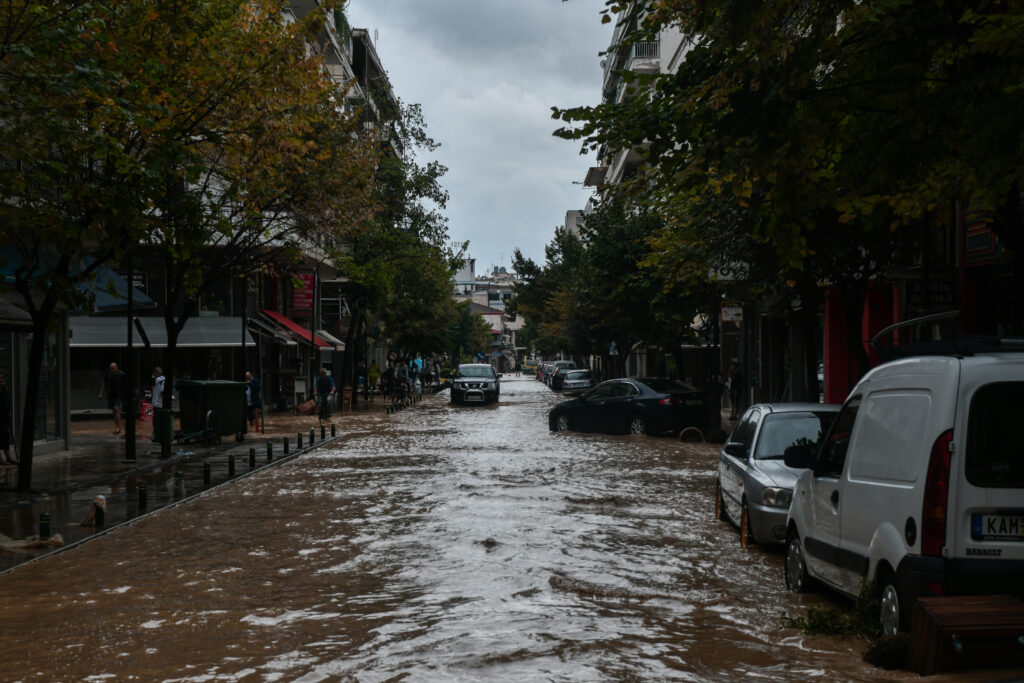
{"type": "Point", "coordinates": [646, 405]}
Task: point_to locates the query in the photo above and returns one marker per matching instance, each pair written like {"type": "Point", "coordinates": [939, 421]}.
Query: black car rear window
{"type": "Point", "coordinates": [994, 455]}
{"type": "Point", "coordinates": [669, 386]}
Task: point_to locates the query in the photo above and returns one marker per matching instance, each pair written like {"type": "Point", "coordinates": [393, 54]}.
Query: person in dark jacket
{"type": "Point", "coordinates": [324, 390]}
{"type": "Point", "coordinates": [115, 388]}
{"type": "Point", "coordinates": [253, 399]}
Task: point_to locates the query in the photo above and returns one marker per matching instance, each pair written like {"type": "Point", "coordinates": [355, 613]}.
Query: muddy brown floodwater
{"type": "Point", "coordinates": [440, 543]}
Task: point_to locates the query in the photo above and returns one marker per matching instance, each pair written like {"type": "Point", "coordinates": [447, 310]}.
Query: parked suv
{"type": "Point", "coordinates": [918, 486]}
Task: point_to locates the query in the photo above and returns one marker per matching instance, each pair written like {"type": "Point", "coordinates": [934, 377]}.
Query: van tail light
{"type": "Point", "coordinates": [669, 401]}
{"type": "Point", "coordinates": [936, 494]}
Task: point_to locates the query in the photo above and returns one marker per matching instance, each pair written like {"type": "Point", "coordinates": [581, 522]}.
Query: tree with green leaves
{"type": "Point", "coordinates": [398, 261]}
{"type": "Point", "coordinates": [74, 179]}
{"type": "Point", "coordinates": [264, 163]}
{"type": "Point", "coordinates": [840, 132]}
{"type": "Point", "coordinates": [467, 335]}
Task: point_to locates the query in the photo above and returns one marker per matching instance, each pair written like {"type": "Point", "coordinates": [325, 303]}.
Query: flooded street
{"type": "Point", "coordinates": [455, 543]}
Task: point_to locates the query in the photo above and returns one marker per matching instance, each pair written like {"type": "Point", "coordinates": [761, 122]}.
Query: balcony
{"type": "Point", "coordinates": [645, 57]}
{"type": "Point", "coordinates": [641, 58]}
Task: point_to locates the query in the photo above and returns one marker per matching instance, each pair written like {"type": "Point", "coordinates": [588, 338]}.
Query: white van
{"type": "Point", "coordinates": [919, 486]}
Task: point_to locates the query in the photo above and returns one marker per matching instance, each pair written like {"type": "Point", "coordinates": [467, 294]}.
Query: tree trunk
{"type": "Point", "coordinates": [173, 328]}
{"type": "Point", "coordinates": [810, 302]}
{"type": "Point", "coordinates": [28, 413]}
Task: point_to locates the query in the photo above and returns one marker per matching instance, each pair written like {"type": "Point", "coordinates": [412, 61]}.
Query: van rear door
{"type": "Point", "coordinates": [985, 522]}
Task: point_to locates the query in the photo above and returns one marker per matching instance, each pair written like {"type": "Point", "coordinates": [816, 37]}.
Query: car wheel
{"type": "Point", "coordinates": [719, 504]}
{"type": "Point", "coordinates": [637, 425]}
{"type": "Point", "coordinates": [797, 579]}
{"type": "Point", "coordinates": [562, 423]}
{"type": "Point", "coordinates": [890, 610]}
{"type": "Point", "coordinates": [746, 533]}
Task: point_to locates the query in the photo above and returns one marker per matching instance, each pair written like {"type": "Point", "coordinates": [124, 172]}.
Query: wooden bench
{"type": "Point", "coordinates": [970, 631]}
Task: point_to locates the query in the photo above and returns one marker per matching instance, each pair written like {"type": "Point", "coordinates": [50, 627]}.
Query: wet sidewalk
{"type": "Point", "coordinates": [65, 484]}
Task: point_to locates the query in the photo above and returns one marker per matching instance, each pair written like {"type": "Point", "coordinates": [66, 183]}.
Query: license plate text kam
{"type": "Point", "coordinates": [997, 526]}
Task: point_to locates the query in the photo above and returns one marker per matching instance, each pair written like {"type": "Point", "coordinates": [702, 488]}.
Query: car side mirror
{"type": "Point", "coordinates": [736, 449]}
{"type": "Point", "coordinates": [798, 457]}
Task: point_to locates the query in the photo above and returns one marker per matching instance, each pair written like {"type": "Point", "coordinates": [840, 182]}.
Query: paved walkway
{"type": "Point", "coordinates": [65, 484]}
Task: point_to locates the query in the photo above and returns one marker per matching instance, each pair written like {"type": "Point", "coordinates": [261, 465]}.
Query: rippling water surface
{"type": "Point", "coordinates": [454, 543]}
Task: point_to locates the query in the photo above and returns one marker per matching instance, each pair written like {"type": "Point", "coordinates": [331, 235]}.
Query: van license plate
{"type": "Point", "coordinates": [997, 527]}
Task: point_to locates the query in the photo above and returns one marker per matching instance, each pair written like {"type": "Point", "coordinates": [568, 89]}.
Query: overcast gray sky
{"type": "Point", "coordinates": [487, 73]}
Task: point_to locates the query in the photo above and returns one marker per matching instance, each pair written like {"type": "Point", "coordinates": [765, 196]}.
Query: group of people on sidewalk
{"type": "Point", "coordinates": [398, 381]}
{"type": "Point", "coordinates": [401, 378]}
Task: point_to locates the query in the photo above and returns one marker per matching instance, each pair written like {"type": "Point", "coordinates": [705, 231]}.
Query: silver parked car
{"type": "Point", "coordinates": [755, 486]}
{"type": "Point", "coordinates": [577, 381]}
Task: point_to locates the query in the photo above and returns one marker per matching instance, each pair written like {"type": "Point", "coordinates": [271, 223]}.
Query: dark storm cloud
{"type": "Point", "coordinates": [487, 73]}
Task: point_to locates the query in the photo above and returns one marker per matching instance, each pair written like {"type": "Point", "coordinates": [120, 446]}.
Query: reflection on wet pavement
{"type": "Point", "coordinates": [453, 543]}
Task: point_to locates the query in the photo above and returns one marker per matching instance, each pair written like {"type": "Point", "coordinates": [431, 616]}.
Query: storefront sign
{"type": "Point", "coordinates": [302, 292]}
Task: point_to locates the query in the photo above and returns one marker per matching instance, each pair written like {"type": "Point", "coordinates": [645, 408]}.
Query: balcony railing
{"type": "Point", "coordinates": [646, 50]}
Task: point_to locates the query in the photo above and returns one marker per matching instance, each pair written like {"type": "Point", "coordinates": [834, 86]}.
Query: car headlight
{"type": "Point", "coordinates": [776, 497]}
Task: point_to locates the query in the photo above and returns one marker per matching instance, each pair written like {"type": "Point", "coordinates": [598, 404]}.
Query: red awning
{"type": "Point", "coordinates": [298, 329]}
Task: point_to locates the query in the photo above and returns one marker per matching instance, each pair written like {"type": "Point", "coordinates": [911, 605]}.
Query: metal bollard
{"type": "Point", "coordinates": [231, 465]}
{"type": "Point", "coordinates": [252, 458]}
{"type": "Point", "coordinates": [332, 429]}
{"type": "Point", "coordinates": [270, 451]}
{"type": "Point", "coordinates": [323, 431]}
{"type": "Point", "coordinates": [298, 442]}
{"type": "Point", "coordinates": [286, 445]}
{"type": "Point", "coordinates": [206, 475]}
{"type": "Point", "coordinates": [143, 496]}
{"type": "Point", "coordinates": [44, 525]}
{"type": "Point", "coordinates": [312, 432]}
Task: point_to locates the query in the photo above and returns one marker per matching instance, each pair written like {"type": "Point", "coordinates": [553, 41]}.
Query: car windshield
{"type": "Point", "coordinates": [475, 371]}
{"type": "Point", "coordinates": [779, 431]}
{"type": "Point", "coordinates": [669, 386]}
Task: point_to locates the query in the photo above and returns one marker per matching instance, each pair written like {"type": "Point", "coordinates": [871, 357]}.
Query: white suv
{"type": "Point", "coordinates": [919, 486]}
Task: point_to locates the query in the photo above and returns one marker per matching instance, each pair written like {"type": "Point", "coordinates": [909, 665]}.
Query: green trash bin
{"type": "Point", "coordinates": [210, 409]}
{"type": "Point", "coordinates": [163, 425]}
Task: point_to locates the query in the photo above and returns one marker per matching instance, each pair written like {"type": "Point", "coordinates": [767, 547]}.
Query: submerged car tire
{"type": "Point", "coordinates": [797, 578]}
{"type": "Point", "coordinates": [638, 425]}
{"type": "Point", "coordinates": [890, 607]}
{"type": "Point", "coordinates": [562, 423]}
{"type": "Point", "coordinates": [746, 532]}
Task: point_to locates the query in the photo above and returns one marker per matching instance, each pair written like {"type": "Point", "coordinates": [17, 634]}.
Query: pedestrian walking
{"type": "Point", "coordinates": [388, 381]}
{"type": "Point", "coordinates": [401, 381]}
{"type": "Point", "coordinates": [324, 390]}
{"type": "Point", "coordinates": [115, 389]}
{"type": "Point", "coordinates": [157, 400]}
{"type": "Point", "coordinates": [253, 400]}
{"type": "Point", "coordinates": [6, 422]}
{"type": "Point", "coordinates": [374, 375]}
